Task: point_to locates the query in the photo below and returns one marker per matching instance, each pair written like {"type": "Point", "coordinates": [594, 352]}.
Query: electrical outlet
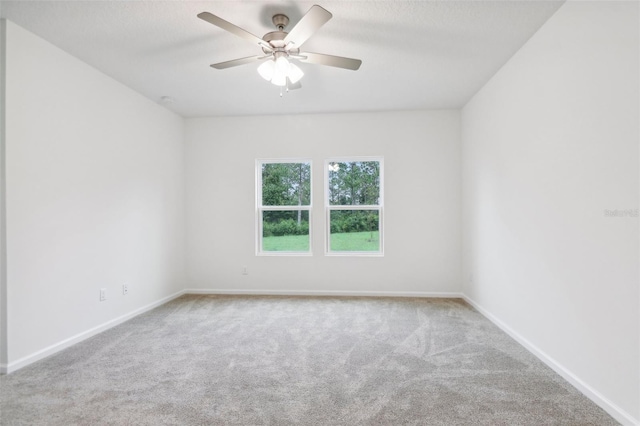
{"type": "Point", "coordinates": [103, 294]}
{"type": "Point", "coordinates": [245, 271]}
{"type": "Point", "coordinates": [125, 289]}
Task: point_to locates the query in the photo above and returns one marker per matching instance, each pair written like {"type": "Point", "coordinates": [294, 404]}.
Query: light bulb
{"type": "Point", "coordinates": [266, 69]}
{"type": "Point", "coordinates": [295, 73]}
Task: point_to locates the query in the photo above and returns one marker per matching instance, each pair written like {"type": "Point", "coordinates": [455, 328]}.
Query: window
{"type": "Point", "coordinates": [283, 213]}
{"type": "Point", "coordinates": [353, 204]}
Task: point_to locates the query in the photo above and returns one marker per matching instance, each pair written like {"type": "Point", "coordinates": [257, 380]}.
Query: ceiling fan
{"type": "Point", "coordinates": [279, 46]}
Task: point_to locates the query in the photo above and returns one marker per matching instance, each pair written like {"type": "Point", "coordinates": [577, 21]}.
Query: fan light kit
{"type": "Point", "coordinates": [280, 47]}
{"type": "Point", "coordinates": [279, 70]}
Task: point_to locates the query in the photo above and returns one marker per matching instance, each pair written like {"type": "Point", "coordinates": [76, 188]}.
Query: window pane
{"type": "Point", "coordinates": [354, 183]}
{"type": "Point", "coordinates": [354, 230]}
{"type": "Point", "coordinates": [285, 230]}
{"type": "Point", "coordinates": [286, 184]}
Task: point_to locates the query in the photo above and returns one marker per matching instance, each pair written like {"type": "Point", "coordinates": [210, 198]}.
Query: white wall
{"type": "Point", "coordinates": [94, 197]}
{"type": "Point", "coordinates": [422, 186]}
{"type": "Point", "coordinates": [549, 144]}
{"type": "Point", "coordinates": [3, 222]}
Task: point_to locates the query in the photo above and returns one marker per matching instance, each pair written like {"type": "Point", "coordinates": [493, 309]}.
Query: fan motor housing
{"type": "Point", "coordinates": [275, 39]}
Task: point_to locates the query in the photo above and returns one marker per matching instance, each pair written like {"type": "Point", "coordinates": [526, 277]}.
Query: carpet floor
{"type": "Point", "coordinates": [234, 360]}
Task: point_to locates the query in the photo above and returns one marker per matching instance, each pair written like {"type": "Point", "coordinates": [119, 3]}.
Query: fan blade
{"type": "Point", "coordinates": [236, 62]}
{"type": "Point", "coordinates": [228, 26]}
{"type": "Point", "coordinates": [293, 86]}
{"type": "Point", "coordinates": [330, 60]}
{"type": "Point", "coordinates": [310, 22]}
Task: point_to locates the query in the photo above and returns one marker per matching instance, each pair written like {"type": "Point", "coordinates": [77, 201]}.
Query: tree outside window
{"type": "Point", "coordinates": [284, 206]}
{"type": "Point", "coordinates": [354, 206]}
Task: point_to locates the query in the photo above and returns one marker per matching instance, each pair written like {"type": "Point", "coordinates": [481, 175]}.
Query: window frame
{"type": "Point", "coordinates": [260, 208]}
{"type": "Point", "coordinates": [328, 208]}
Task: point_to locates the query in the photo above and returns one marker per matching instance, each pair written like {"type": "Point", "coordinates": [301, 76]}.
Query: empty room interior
{"type": "Point", "coordinates": [379, 212]}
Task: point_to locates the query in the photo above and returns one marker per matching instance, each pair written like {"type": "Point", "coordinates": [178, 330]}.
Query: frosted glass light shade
{"type": "Point", "coordinates": [279, 78]}
{"type": "Point", "coordinates": [266, 69]}
{"type": "Point", "coordinates": [280, 71]}
{"type": "Point", "coordinates": [282, 64]}
{"type": "Point", "coordinates": [295, 73]}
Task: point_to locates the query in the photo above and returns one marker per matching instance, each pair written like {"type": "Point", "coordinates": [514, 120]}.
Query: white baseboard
{"type": "Point", "coordinates": [616, 412]}
{"type": "Point", "coordinates": [57, 347]}
{"type": "Point", "coordinates": [262, 292]}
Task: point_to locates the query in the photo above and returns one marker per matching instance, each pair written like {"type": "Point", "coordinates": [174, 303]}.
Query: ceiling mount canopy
{"type": "Point", "coordinates": [280, 21]}
{"type": "Point", "coordinates": [280, 47]}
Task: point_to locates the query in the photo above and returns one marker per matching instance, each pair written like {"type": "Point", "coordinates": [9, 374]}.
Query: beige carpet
{"type": "Point", "coordinates": [214, 360]}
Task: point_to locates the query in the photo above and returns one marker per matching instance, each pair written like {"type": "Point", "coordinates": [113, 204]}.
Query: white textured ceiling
{"type": "Point", "coordinates": [415, 54]}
